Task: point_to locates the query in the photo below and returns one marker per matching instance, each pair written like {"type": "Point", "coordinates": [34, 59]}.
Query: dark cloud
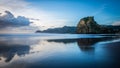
{"type": "Point", "coordinates": [9, 20]}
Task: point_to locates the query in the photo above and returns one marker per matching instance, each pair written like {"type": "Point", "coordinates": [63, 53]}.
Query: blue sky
{"type": "Point", "coordinates": [105, 11]}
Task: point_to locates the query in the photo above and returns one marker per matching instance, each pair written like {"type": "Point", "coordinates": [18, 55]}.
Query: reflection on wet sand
{"type": "Point", "coordinates": [23, 47]}
{"type": "Point", "coordinates": [9, 47]}
{"type": "Point", "coordinates": [85, 44]}
{"type": "Point", "coordinates": [8, 52]}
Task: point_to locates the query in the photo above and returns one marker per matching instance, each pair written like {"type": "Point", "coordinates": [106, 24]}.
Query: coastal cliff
{"type": "Point", "coordinates": [88, 25]}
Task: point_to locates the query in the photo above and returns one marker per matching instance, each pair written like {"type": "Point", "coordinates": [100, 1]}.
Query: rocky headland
{"type": "Point", "coordinates": [88, 25]}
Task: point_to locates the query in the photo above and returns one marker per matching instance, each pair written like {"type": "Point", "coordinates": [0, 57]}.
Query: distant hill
{"type": "Point", "coordinates": [65, 29]}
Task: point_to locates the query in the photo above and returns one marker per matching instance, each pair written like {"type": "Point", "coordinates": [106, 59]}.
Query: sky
{"type": "Point", "coordinates": [58, 13]}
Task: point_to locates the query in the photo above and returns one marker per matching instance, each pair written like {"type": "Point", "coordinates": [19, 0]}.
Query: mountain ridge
{"type": "Point", "coordinates": [86, 25]}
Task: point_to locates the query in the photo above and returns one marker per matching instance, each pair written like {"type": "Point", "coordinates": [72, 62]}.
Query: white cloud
{"type": "Point", "coordinates": [13, 4]}
{"type": "Point", "coordinates": [116, 23]}
{"type": "Point", "coordinates": [24, 8]}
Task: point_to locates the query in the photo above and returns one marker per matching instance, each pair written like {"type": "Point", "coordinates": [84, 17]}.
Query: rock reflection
{"type": "Point", "coordinates": [65, 41]}
{"type": "Point", "coordinates": [85, 44]}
